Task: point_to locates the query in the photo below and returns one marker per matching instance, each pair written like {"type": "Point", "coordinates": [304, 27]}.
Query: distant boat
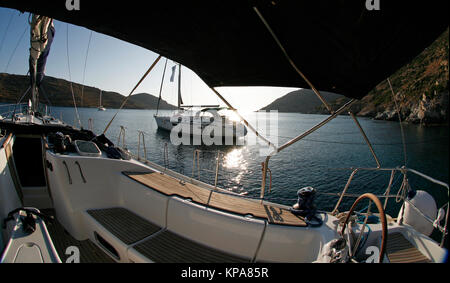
{"type": "Point", "coordinates": [195, 118]}
{"type": "Point", "coordinates": [100, 107]}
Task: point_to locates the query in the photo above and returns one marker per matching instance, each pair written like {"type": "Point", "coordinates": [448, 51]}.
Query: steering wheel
{"type": "Point", "coordinates": [376, 201]}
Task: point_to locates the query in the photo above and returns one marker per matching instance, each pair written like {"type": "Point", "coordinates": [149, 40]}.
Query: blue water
{"type": "Point", "coordinates": [316, 161]}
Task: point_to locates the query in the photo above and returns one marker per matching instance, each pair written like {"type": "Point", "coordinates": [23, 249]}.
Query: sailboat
{"type": "Point", "coordinates": [194, 120]}
{"type": "Point", "coordinates": [100, 106]}
{"type": "Point", "coordinates": [66, 191]}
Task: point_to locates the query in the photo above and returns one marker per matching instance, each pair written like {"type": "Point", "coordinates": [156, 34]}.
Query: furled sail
{"type": "Point", "coordinates": [42, 32]}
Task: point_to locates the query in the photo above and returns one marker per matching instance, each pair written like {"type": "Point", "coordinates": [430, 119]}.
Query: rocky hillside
{"type": "Point", "coordinates": [59, 93]}
{"type": "Point", "coordinates": [300, 101]}
{"type": "Point", "coordinates": [421, 90]}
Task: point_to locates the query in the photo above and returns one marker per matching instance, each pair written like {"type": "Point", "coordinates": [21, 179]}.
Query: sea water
{"type": "Point", "coordinates": [321, 160]}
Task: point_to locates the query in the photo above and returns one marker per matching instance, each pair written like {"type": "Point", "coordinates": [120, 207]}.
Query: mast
{"type": "Point", "coordinates": [100, 102]}
{"type": "Point", "coordinates": [41, 38]}
{"type": "Point", "coordinates": [180, 100]}
{"type": "Point", "coordinates": [160, 88]}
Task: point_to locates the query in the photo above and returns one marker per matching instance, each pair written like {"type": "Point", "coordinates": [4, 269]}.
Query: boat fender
{"type": "Point", "coordinates": [305, 206]}
{"type": "Point", "coordinates": [409, 215]}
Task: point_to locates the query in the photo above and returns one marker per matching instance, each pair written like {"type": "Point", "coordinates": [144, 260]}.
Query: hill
{"type": "Point", "coordinates": [58, 92]}
{"type": "Point", "coordinates": [300, 101]}
{"type": "Point", "coordinates": [421, 90]}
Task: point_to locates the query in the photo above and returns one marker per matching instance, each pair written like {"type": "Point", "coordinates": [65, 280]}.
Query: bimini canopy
{"type": "Point", "coordinates": [341, 46]}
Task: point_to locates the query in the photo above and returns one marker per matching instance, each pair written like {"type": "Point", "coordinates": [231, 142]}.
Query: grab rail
{"type": "Point", "coordinates": [68, 173]}
{"type": "Point", "coordinates": [141, 134]}
{"type": "Point", "coordinates": [81, 172]}
{"type": "Point", "coordinates": [402, 196]}
{"type": "Point", "coordinates": [122, 134]}
{"type": "Point", "coordinates": [166, 156]}
{"type": "Point", "coordinates": [196, 154]}
{"type": "Point", "coordinates": [91, 124]}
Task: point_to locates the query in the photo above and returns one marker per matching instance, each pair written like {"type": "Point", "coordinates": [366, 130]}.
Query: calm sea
{"type": "Point", "coordinates": [316, 161]}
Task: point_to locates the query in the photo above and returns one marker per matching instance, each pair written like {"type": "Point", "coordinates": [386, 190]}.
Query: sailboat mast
{"type": "Point", "coordinates": [160, 88]}
{"type": "Point", "coordinates": [100, 101]}
{"type": "Point", "coordinates": [179, 87]}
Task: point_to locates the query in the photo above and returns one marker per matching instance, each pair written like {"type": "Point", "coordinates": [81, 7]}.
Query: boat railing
{"type": "Point", "coordinates": [12, 109]}
{"type": "Point", "coordinates": [196, 158]}
{"type": "Point", "coordinates": [141, 135]}
{"type": "Point", "coordinates": [122, 135]}
{"type": "Point", "coordinates": [401, 195]}
{"type": "Point", "coordinates": [196, 165]}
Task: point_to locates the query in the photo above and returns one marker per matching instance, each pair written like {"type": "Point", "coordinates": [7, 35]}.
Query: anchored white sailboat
{"type": "Point", "coordinates": [100, 106]}
{"type": "Point", "coordinates": [116, 207]}
{"type": "Point", "coordinates": [194, 120]}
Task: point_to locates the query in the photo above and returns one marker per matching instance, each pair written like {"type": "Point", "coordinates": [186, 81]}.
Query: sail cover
{"type": "Point", "coordinates": [42, 32]}
{"type": "Point", "coordinates": [345, 47]}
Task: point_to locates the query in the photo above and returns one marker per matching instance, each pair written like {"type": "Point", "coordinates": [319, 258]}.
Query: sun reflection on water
{"type": "Point", "coordinates": [235, 161]}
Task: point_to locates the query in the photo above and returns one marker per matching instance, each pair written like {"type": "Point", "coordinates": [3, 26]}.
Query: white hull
{"type": "Point", "coordinates": [105, 186]}
{"type": "Point", "coordinates": [228, 129]}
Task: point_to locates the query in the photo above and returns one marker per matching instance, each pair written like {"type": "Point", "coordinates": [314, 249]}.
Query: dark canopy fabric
{"type": "Point", "coordinates": [339, 45]}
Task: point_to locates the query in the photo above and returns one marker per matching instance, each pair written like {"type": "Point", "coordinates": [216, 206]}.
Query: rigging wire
{"type": "Point", "coordinates": [6, 31]}
{"type": "Point", "coordinates": [15, 48]}
{"type": "Point", "coordinates": [400, 120]}
{"type": "Point", "coordinates": [84, 70]}
{"type": "Point", "coordinates": [131, 92]}
{"type": "Point", "coordinates": [70, 77]}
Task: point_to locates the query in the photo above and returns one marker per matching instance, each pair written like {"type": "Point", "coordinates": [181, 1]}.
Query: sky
{"type": "Point", "coordinates": [115, 65]}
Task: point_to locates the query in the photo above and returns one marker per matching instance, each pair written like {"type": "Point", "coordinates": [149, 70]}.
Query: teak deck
{"type": "Point", "coordinates": [170, 186]}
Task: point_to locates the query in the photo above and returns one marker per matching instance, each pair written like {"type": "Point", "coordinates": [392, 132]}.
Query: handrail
{"type": "Point", "coordinates": [81, 172]}
{"type": "Point", "coordinates": [140, 133]}
{"type": "Point", "coordinates": [196, 154]}
{"type": "Point", "coordinates": [388, 189]}
{"type": "Point", "coordinates": [344, 191]}
{"type": "Point", "coordinates": [68, 173]}
{"type": "Point", "coordinates": [91, 124]}
{"type": "Point", "coordinates": [166, 156]}
{"type": "Point", "coordinates": [217, 170]}
{"type": "Point", "coordinates": [122, 134]}
{"type": "Point", "coordinates": [404, 171]}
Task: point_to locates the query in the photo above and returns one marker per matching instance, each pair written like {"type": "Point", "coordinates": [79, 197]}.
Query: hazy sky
{"type": "Point", "coordinates": [115, 65]}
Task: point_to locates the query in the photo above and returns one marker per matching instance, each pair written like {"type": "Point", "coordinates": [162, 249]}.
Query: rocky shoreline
{"type": "Point", "coordinates": [427, 111]}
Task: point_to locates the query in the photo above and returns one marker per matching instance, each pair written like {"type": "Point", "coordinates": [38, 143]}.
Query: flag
{"type": "Point", "coordinates": [173, 72]}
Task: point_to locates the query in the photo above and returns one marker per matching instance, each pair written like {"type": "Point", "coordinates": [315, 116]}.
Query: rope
{"type": "Point", "coordinates": [70, 76]}
{"type": "Point", "coordinates": [403, 191]}
{"type": "Point", "coordinates": [84, 70]}
{"type": "Point", "coordinates": [126, 99]}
